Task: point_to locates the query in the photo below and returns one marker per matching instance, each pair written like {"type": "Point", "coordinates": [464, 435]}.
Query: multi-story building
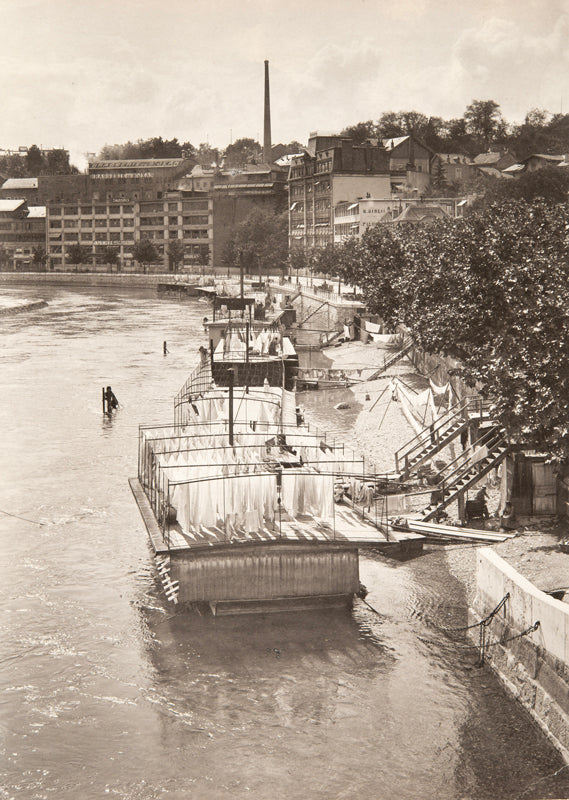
{"type": "Point", "coordinates": [120, 202]}
{"type": "Point", "coordinates": [353, 219]}
{"type": "Point", "coordinates": [187, 219]}
{"type": "Point", "coordinates": [331, 170]}
{"type": "Point", "coordinates": [119, 223]}
{"type": "Point", "coordinates": [238, 193]}
{"type": "Point", "coordinates": [22, 231]}
{"type": "Point", "coordinates": [455, 168]}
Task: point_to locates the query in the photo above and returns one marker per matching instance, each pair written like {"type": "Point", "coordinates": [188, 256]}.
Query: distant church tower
{"type": "Point", "coordinates": [267, 126]}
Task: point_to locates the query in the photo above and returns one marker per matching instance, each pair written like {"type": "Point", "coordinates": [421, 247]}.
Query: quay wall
{"type": "Point", "coordinates": [265, 571]}
{"type": "Point", "coordinates": [534, 667]}
{"type": "Point", "coordinates": [120, 280]}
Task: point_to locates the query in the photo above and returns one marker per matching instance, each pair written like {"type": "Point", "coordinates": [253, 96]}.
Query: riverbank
{"type": "Point", "coordinates": [122, 280]}
{"type": "Point", "coordinates": [381, 428]}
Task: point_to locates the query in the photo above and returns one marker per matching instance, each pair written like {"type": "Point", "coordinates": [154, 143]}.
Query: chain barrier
{"type": "Point", "coordinates": [484, 621]}
{"type": "Point", "coordinates": [483, 643]}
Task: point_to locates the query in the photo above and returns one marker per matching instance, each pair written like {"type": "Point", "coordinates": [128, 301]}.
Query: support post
{"type": "Point", "coordinates": [231, 378]}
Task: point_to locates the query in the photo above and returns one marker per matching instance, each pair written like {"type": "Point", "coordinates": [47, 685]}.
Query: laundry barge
{"type": "Point", "coordinates": [239, 496]}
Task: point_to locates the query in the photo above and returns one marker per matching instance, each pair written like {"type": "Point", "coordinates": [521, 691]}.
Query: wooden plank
{"type": "Point", "coordinates": [152, 527]}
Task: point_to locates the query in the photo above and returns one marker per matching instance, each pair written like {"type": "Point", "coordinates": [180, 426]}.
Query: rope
{"type": "Point", "coordinates": [25, 519]}
{"type": "Point", "coordinates": [384, 415]}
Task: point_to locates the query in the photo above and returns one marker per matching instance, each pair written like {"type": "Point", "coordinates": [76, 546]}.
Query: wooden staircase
{"type": "Point", "coordinates": [468, 469]}
{"type": "Point", "coordinates": [430, 441]}
{"type": "Point", "coordinates": [392, 359]}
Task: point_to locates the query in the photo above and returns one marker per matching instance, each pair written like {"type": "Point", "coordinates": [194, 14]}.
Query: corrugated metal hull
{"type": "Point", "coordinates": [265, 572]}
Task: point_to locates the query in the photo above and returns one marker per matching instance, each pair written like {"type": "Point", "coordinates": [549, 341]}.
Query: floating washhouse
{"type": "Point", "coordinates": [240, 498]}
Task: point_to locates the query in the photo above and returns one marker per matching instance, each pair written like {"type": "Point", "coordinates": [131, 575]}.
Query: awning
{"type": "Point", "coordinates": [354, 205]}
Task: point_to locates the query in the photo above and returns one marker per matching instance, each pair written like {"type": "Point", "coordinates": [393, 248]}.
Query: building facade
{"type": "Point", "coordinates": [331, 170]}
{"type": "Point", "coordinates": [119, 223]}
{"type": "Point", "coordinates": [238, 193]}
{"type": "Point", "coordinates": [22, 233]}
{"type": "Point", "coordinates": [355, 218]}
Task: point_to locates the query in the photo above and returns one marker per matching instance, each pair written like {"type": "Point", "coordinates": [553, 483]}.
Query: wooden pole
{"type": "Point", "coordinates": [231, 377]}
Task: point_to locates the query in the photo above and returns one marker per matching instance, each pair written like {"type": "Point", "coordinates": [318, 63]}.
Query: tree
{"type": "Point", "coordinates": [111, 255]}
{"type": "Point", "coordinates": [78, 254]}
{"type": "Point", "coordinates": [241, 152]}
{"type": "Point", "coordinates": [361, 131]}
{"type": "Point", "coordinates": [259, 243]}
{"type": "Point", "coordinates": [144, 252]}
{"type": "Point", "coordinates": [549, 183]}
{"type": "Point", "coordinates": [485, 121]}
{"type": "Point", "coordinates": [439, 182]}
{"type": "Point", "coordinates": [207, 156]}
{"type": "Point", "coordinates": [175, 251]}
{"type": "Point", "coordinates": [39, 257]}
{"type": "Point", "coordinates": [389, 125]}
{"type": "Point", "coordinates": [58, 162]}
{"type": "Point", "coordinates": [34, 161]}
{"type": "Point", "coordinates": [155, 147]}
{"type": "Point", "coordinates": [491, 290]}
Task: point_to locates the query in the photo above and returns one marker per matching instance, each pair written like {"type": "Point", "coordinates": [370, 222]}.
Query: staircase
{"type": "Point", "coordinates": [393, 359]}
{"type": "Point", "coordinates": [468, 468]}
{"type": "Point", "coordinates": [428, 442]}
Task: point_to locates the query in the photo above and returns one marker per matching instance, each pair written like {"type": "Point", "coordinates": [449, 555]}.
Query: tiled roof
{"type": "Point", "coordinates": [418, 213]}
{"type": "Point", "coordinates": [487, 158]}
{"type": "Point", "coordinates": [547, 157]}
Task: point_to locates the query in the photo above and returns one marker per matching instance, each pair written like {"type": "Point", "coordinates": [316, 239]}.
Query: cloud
{"type": "Point", "coordinates": [502, 61]}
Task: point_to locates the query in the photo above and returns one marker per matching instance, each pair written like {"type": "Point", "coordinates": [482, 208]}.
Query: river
{"type": "Point", "coordinates": [107, 690]}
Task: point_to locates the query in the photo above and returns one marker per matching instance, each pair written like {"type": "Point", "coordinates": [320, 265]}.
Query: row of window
{"type": "Point", "coordinates": [73, 211]}
{"type": "Point", "coordinates": [125, 223]}
{"type": "Point", "coordinates": [19, 237]}
{"type": "Point", "coordinates": [89, 223]}
{"type": "Point", "coordinates": [128, 208]}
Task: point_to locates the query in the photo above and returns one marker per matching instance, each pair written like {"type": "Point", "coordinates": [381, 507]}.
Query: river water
{"type": "Point", "coordinates": [106, 690]}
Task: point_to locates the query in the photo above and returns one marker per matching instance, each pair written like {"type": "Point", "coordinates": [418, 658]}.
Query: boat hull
{"type": "Point", "coordinates": [267, 576]}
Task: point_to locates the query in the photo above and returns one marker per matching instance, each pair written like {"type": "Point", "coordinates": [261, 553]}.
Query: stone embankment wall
{"type": "Point", "coordinates": [124, 280]}
{"type": "Point", "coordinates": [533, 667]}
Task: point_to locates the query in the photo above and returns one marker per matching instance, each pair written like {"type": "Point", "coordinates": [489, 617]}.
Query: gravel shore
{"type": "Point", "coordinates": [381, 428]}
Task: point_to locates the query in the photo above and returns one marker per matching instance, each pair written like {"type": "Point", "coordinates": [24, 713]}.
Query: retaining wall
{"type": "Point", "coordinates": [534, 668]}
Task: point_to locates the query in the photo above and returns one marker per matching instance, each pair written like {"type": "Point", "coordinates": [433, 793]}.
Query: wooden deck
{"type": "Point", "coordinates": [347, 527]}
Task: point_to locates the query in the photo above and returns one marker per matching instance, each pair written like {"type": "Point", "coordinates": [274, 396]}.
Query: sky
{"type": "Point", "coordinates": [80, 74]}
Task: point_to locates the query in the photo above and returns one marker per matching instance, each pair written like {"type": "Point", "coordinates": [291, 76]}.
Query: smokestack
{"type": "Point", "coordinates": [267, 126]}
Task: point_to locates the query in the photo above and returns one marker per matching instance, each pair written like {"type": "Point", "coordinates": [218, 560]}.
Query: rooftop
{"type": "Point", "coordinates": [20, 183]}
{"type": "Point", "coordinates": [11, 205]}
{"type": "Point", "coordinates": [135, 163]}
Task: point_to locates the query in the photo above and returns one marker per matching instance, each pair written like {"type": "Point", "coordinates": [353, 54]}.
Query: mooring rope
{"type": "Point", "coordinates": [17, 516]}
